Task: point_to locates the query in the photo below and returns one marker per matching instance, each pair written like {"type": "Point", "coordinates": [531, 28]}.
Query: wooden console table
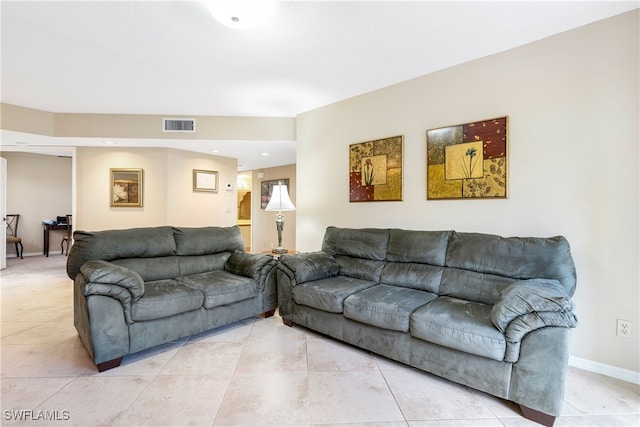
{"type": "Point", "coordinates": [46, 228]}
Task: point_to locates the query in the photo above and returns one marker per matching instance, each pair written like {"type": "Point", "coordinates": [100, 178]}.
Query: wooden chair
{"type": "Point", "coordinates": [12, 233]}
{"type": "Point", "coordinates": [68, 237]}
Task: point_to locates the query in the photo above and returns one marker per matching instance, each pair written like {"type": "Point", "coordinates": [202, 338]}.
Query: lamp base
{"type": "Point", "coordinates": [279, 251]}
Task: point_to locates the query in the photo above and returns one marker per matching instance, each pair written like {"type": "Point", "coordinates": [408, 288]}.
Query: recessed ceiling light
{"type": "Point", "coordinates": [215, 151]}
{"type": "Point", "coordinates": [241, 14]}
{"type": "Point", "coordinates": [264, 154]}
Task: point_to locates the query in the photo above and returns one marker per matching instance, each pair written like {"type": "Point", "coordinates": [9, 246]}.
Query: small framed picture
{"type": "Point", "coordinates": [126, 187]}
{"type": "Point", "coordinates": [266, 187]}
{"type": "Point", "coordinates": [204, 180]}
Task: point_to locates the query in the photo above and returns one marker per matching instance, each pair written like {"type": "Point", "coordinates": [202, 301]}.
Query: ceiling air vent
{"type": "Point", "coordinates": [178, 125]}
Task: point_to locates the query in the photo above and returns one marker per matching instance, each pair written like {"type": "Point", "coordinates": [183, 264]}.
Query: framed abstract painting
{"type": "Point", "coordinates": [468, 161]}
{"type": "Point", "coordinates": [375, 170]}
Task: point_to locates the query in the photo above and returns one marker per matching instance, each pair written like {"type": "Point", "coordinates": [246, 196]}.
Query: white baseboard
{"type": "Point", "coordinates": [24, 254]}
{"type": "Point", "coordinates": [29, 254]}
{"type": "Point", "coordinates": [608, 370]}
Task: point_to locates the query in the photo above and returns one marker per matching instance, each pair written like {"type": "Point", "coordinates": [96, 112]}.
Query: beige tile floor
{"type": "Point", "coordinates": [254, 373]}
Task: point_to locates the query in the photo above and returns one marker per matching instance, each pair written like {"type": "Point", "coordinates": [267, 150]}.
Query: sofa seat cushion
{"type": "Point", "coordinates": [164, 298]}
{"type": "Point", "coordinates": [461, 325]}
{"type": "Point", "coordinates": [387, 307]}
{"type": "Point", "coordinates": [221, 287]}
{"type": "Point", "coordinates": [329, 294]}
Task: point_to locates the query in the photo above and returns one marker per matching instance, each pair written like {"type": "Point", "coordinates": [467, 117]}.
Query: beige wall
{"type": "Point", "coordinates": [38, 188]}
{"type": "Point", "coordinates": [28, 120]}
{"type": "Point", "coordinates": [572, 102]}
{"type": "Point", "coordinates": [168, 197]}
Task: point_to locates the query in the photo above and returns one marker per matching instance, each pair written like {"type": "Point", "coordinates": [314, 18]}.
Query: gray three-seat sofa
{"type": "Point", "coordinates": [489, 312]}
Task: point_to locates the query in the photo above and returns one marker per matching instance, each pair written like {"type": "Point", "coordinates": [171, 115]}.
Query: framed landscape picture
{"type": "Point", "coordinates": [468, 161]}
{"type": "Point", "coordinates": [205, 180]}
{"type": "Point", "coordinates": [126, 187]}
{"type": "Point", "coordinates": [375, 170]}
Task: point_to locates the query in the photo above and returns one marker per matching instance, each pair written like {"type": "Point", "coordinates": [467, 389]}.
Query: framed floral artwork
{"type": "Point", "coordinates": [468, 161]}
{"type": "Point", "coordinates": [375, 170]}
{"type": "Point", "coordinates": [126, 187]}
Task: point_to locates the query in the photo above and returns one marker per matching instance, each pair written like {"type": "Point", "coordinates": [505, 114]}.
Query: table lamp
{"type": "Point", "coordinates": [280, 201]}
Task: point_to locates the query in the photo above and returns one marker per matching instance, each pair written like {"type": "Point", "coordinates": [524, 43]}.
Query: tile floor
{"type": "Point", "coordinates": [254, 373]}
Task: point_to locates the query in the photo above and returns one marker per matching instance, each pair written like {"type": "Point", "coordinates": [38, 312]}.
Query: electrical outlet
{"type": "Point", "coordinates": [624, 328]}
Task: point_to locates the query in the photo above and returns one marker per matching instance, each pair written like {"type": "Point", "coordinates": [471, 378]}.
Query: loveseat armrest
{"type": "Point", "coordinates": [254, 266]}
{"type": "Point", "coordinates": [530, 304]}
{"type": "Point", "coordinates": [106, 273]}
{"type": "Point", "coordinates": [107, 279]}
{"type": "Point", "coordinates": [307, 267]}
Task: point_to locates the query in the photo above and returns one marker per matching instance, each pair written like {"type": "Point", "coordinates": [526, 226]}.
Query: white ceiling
{"type": "Point", "coordinates": [174, 58]}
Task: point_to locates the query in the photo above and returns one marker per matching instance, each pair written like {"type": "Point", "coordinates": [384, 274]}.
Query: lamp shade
{"type": "Point", "coordinates": [280, 200]}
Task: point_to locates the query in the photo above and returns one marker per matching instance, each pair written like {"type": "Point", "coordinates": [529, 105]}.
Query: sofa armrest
{"type": "Point", "coordinates": [105, 273]}
{"type": "Point", "coordinates": [310, 266]}
{"type": "Point", "coordinates": [254, 266]}
{"type": "Point", "coordinates": [530, 304]}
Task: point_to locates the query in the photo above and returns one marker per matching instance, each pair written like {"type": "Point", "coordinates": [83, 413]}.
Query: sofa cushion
{"type": "Point", "coordinates": [387, 307]}
{"type": "Point", "coordinates": [515, 257]}
{"type": "Point", "coordinates": [329, 294]}
{"type": "Point", "coordinates": [367, 243]}
{"type": "Point", "coordinates": [192, 264]}
{"type": "Point", "coordinates": [208, 240]}
{"type": "Point", "coordinates": [424, 247]}
{"type": "Point", "coordinates": [221, 287]}
{"type": "Point", "coordinates": [164, 298]}
{"type": "Point", "coordinates": [360, 268]}
{"type": "Point", "coordinates": [461, 325]}
{"type": "Point", "coordinates": [151, 268]}
{"type": "Point", "coordinates": [411, 275]}
{"type": "Point", "coordinates": [473, 286]}
{"type": "Point", "coordinates": [110, 245]}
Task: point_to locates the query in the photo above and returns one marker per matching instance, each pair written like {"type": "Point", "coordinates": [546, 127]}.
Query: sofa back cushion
{"type": "Point", "coordinates": [415, 259]}
{"type": "Point", "coordinates": [360, 253]}
{"type": "Point", "coordinates": [201, 263]}
{"type": "Point", "coordinates": [479, 265]}
{"type": "Point", "coordinates": [424, 247]}
{"type": "Point", "coordinates": [151, 268]}
{"type": "Point", "coordinates": [412, 275]}
{"type": "Point", "coordinates": [208, 240]}
{"type": "Point", "coordinates": [109, 245]}
{"type": "Point", "coordinates": [366, 243]}
{"type": "Point", "coordinates": [157, 252]}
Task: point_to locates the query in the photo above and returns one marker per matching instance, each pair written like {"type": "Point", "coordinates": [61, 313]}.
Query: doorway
{"type": "Point", "coordinates": [244, 207]}
{"type": "Point", "coordinates": [39, 186]}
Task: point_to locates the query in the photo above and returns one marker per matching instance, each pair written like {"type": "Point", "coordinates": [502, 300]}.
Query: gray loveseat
{"type": "Point", "coordinates": [138, 288]}
{"type": "Point", "coordinates": [489, 312]}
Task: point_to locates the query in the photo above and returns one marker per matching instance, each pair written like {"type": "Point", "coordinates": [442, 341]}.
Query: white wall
{"type": "Point", "coordinates": [572, 102]}
{"type": "Point", "coordinates": [168, 196]}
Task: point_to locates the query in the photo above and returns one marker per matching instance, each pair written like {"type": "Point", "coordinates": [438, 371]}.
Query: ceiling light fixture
{"type": "Point", "coordinates": [264, 154]}
{"type": "Point", "coordinates": [241, 14]}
